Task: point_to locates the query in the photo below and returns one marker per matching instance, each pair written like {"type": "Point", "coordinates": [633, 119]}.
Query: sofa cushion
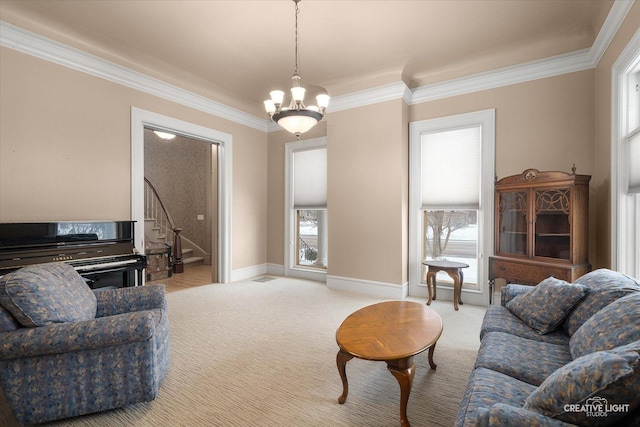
{"type": "Point", "coordinates": [606, 287]}
{"type": "Point", "coordinates": [7, 321]}
{"type": "Point", "coordinates": [486, 388]}
{"type": "Point", "coordinates": [610, 377]}
{"type": "Point", "coordinates": [43, 294]}
{"type": "Point", "coordinates": [615, 325]}
{"type": "Point", "coordinates": [499, 319]}
{"type": "Point", "coordinates": [547, 304]}
{"type": "Point", "coordinates": [514, 356]}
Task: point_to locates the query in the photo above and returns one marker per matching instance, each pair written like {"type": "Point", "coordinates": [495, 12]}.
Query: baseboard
{"type": "Point", "coordinates": [369, 287]}
{"type": "Point", "coordinates": [275, 269]}
{"type": "Point", "coordinates": [248, 272]}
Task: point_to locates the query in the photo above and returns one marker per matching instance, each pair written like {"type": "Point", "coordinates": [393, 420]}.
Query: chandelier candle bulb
{"type": "Point", "coordinates": [269, 106]}
{"type": "Point", "coordinates": [277, 96]}
{"type": "Point", "coordinates": [298, 94]}
{"type": "Point", "coordinates": [323, 101]}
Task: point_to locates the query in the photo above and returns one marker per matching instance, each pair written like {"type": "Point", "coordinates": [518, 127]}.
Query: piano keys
{"type": "Point", "coordinates": [103, 252]}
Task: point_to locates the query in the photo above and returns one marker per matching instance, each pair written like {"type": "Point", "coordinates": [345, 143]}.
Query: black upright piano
{"type": "Point", "coordinates": [103, 252]}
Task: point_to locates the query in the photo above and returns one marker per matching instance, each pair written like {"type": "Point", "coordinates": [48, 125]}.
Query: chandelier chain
{"type": "Point", "coordinates": [297, 13]}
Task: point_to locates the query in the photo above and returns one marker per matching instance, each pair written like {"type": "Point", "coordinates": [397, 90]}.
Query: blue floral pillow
{"type": "Point", "coordinates": [43, 294]}
{"type": "Point", "coordinates": [544, 308]}
{"type": "Point", "coordinates": [600, 388]}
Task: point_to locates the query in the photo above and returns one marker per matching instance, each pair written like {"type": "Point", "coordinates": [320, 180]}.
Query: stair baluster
{"type": "Point", "coordinates": [153, 206]}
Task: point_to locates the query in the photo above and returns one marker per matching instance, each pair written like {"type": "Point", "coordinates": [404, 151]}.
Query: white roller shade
{"type": "Point", "coordinates": [310, 179]}
{"type": "Point", "coordinates": [451, 169]}
{"type": "Point", "coordinates": [634, 162]}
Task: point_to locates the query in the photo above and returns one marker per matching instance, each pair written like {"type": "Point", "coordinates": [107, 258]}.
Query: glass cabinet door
{"type": "Point", "coordinates": [512, 227]}
{"type": "Point", "coordinates": [552, 226]}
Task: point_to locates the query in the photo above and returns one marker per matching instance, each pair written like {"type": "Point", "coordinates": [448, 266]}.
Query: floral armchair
{"type": "Point", "coordinates": [66, 350]}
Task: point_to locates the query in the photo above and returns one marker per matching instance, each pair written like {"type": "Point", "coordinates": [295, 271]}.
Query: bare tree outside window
{"type": "Point", "coordinates": [307, 237]}
{"type": "Point", "coordinates": [440, 226]}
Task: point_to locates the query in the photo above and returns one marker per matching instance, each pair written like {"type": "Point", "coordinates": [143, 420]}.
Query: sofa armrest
{"type": "Point", "coordinates": [125, 300]}
{"type": "Point", "coordinates": [91, 334]}
{"type": "Point", "coordinates": [507, 293]}
{"type": "Point", "coordinates": [505, 415]}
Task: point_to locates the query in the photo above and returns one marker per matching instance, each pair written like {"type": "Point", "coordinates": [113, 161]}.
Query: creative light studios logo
{"type": "Point", "coordinates": [597, 407]}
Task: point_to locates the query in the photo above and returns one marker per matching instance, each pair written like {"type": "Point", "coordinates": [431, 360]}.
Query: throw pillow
{"type": "Point", "coordinates": [600, 388]}
{"type": "Point", "coordinates": [615, 325]}
{"type": "Point", "coordinates": [43, 294]}
{"type": "Point", "coordinates": [544, 308]}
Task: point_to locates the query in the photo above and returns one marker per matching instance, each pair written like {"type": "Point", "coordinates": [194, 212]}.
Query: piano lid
{"type": "Point", "coordinates": [64, 233]}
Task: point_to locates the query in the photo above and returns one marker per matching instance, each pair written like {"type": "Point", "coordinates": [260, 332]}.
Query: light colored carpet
{"type": "Point", "coordinates": [264, 354]}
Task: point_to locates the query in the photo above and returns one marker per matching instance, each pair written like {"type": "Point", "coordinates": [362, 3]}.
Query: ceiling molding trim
{"type": "Point", "coordinates": [610, 27]}
{"type": "Point", "coordinates": [42, 47]}
{"type": "Point", "coordinates": [547, 67]}
{"type": "Point", "coordinates": [534, 70]}
{"type": "Point", "coordinates": [388, 92]}
{"type": "Point", "coordinates": [273, 126]}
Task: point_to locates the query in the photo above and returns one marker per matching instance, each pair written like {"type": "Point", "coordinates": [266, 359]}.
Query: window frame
{"type": "Point", "coordinates": [486, 119]}
{"type": "Point", "coordinates": [625, 208]}
{"type": "Point", "coordinates": [291, 267]}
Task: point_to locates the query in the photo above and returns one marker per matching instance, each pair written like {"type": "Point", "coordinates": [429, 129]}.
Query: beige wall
{"type": "Point", "coordinates": [545, 124]}
{"type": "Point", "coordinates": [65, 151]}
{"type": "Point", "coordinates": [548, 124]}
{"type": "Point", "coordinates": [276, 188]}
{"type": "Point", "coordinates": [367, 188]}
{"type": "Point", "coordinates": [367, 165]}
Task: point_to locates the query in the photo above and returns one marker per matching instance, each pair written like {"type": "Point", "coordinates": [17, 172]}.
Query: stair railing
{"type": "Point", "coordinates": [155, 209]}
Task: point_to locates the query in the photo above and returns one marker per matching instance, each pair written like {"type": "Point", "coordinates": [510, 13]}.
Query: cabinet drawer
{"type": "Point", "coordinates": [527, 274]}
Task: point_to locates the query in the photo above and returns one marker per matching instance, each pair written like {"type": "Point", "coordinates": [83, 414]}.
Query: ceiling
{"type": "Point", "coordinates": [235, 52]}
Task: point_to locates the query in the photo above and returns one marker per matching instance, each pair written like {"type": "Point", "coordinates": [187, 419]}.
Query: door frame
{"type": "Point", "coordinates": [141, 119]}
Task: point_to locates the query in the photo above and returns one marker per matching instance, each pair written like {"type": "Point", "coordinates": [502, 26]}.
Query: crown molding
{"type": "Point", "coordinates": [534, 70]}
{"type": "Point", "coordinates": [396, 90]}
{"type": "Point", "coordinates": [571, 62]}
{"type": "Point", "coordinates": [39, 46]}
{"type": "Point", "coordinates": [42, 47]}
{"type": "Point", "coordinates": [610, 27]}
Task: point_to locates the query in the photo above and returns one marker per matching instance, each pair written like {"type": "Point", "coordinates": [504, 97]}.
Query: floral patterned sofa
{"type": "Point", "coordinates": [559, 354]}
{"type": "Point", "coordinates": [66, 350]}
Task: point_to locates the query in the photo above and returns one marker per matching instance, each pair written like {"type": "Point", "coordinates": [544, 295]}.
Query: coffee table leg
{"type": "Point", "coordinates": [431, 362]}
{"type": "Point", "coordinates": [341, 359]}
{"type": "Point", "coordinates": [403, 370]}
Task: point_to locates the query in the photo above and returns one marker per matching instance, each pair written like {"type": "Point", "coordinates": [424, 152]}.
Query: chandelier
{"type": "Point", "coordinates": [296, 118]}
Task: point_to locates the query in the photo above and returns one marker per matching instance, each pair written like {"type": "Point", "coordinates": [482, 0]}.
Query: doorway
{"type": "Point", "coordinates": [219, 205]}
{"type": "Point", "coordinates": [181, 176]}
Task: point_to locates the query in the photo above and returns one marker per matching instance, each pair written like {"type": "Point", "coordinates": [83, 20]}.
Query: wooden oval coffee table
{"type": "Point", "coordinates": [392, 332]}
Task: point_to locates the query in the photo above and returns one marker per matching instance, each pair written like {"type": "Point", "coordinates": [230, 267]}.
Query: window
{"type": "Point", "coordinates": [306, 209]}
{"type": "Point", "coordinates": [625, 233]}
{"type": "Point", "coordinates": [451, 197]}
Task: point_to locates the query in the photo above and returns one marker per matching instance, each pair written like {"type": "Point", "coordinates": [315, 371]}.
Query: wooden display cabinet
{"type": "Point", "coordinates": [542, 227]}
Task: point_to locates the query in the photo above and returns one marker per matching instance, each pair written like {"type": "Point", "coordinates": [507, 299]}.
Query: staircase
{"type": "Point", "coordinates": [167, 250]}
{"type": "Point", "coordinates": [189, 259]}
{"type": "Point", "coordinates": [159, 253]}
